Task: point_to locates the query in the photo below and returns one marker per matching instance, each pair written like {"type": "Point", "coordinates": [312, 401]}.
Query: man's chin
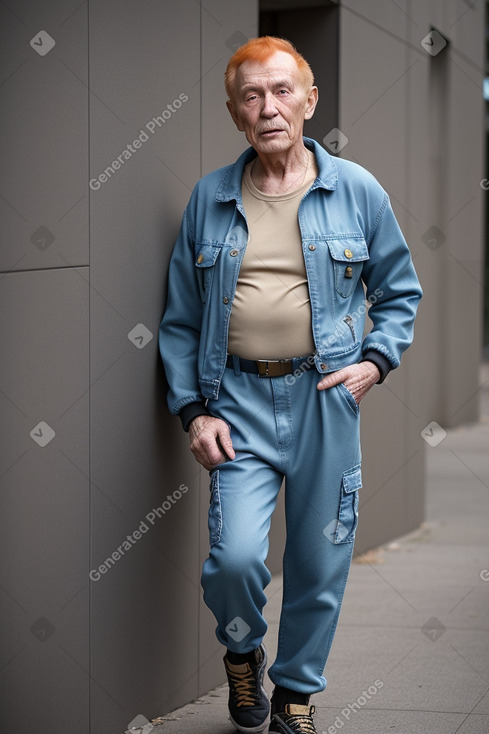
{"type": "Point", "coordinates": [273, 144]}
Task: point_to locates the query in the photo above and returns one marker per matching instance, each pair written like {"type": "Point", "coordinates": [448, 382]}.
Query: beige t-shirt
{"type": "Point", "coordinates": [271, 314]}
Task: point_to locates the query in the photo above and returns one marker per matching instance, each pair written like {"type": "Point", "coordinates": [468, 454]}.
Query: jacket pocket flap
{"type": "Point", "coordinates": [206, 255]}
{"type": "Point", "coordinates": [348, 250]}
{"type": "Point", "coordinates": [352, 479]}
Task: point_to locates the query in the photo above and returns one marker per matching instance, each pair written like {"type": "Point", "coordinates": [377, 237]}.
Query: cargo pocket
{"type": "Point", "coordinates": [215, 514]}
{"type": "Point", "coordinates": [348, 513]}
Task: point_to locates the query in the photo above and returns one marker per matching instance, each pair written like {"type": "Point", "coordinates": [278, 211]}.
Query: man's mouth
{"type": "Point", "coordinates": [273, 131]}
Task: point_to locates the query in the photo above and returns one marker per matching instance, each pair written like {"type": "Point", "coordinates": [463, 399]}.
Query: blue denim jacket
{"type": "Point", "coordinates": [350, 237]}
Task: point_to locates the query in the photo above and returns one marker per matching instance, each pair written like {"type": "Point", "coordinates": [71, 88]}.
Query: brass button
{"type": "Point", "coordinates": [312, 247]}
{"type": "Point", "coordinates": [225, 300]}
{"type": "Point", "coordinates": [200, 259]}
{"type": "Point", "coordinates": [233, 253]}
{"type": "Point", "coordinates": [348, 271]}
{"type": "Point", "coordinates": [348, 253]}
{"type": "Point", "coordinates": [323, 366]}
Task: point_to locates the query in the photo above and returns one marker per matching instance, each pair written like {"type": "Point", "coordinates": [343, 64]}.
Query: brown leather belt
{"type": "Point", "coordinates": [270, 367]}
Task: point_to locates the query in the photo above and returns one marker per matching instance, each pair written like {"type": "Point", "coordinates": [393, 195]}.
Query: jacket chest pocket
{"type": "Point", "coordinates": [204, 261]}
{"type": "Point", "coordinates": [348, 256]}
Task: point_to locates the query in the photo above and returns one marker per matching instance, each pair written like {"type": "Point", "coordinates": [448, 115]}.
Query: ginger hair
{"type": "Point", "coordinates": [260, 49]}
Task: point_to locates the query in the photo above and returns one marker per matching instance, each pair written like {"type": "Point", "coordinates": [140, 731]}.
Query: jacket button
{"type": "Point", "coordinates": [348, 253]}
{"type": "Point", "coordinates": [233, 253]}
{"type": "Point", "coordinates": [312, 247]}
{"type": "Point", "coordinates": [225, 300]}
{"type": "Point", "coordinates": [200, 259]}
{"type": "Point", "coordinates": [323, 366]}
{"type": "Point", "coordinates": [348, 271]}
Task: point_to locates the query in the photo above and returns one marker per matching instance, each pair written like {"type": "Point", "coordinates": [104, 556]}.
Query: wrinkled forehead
{"type": "Point", "coordinates": [280, 67]}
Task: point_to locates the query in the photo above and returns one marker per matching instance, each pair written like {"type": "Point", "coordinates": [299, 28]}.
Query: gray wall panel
{"type": "Point", "coordinates": [450, 334]}
{"type": "Point", "coordinates": [44, 203]}
{"type": "Point", "coordinates": [139, 453]}
{"type": "Point", "coordinates": [44, 498]}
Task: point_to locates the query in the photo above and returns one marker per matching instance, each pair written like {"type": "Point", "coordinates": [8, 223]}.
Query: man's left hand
{"type": "Point", "coordinates": [357, 378]}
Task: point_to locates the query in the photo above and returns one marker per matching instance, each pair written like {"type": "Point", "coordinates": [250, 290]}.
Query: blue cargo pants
{"type": "Point", "coordinates": [284, 428]}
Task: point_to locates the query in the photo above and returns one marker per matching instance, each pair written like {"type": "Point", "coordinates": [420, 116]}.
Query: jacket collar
{"type": "Point", "coordinates": [230, 185]}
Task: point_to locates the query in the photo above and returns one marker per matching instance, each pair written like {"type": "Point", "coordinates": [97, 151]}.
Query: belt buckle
{"type": "Point", "coordinates": [264, 367]}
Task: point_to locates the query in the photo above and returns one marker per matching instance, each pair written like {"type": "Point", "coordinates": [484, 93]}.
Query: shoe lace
{"type": "Point", "coordinates": [299, 723]}
{"type": "Point", "coordinates": [244, 687]}
{"type": "Point", "coordinates": [302, 725]}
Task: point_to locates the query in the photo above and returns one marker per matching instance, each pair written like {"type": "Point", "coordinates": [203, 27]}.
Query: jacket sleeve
{"type": "Point", "coordinates": [393, 289]}
{"type": "Point", "coordinates": [179, 333]}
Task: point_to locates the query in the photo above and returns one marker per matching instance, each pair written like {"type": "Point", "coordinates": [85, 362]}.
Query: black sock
{"type": "Point", "coordinates": [282, 696]}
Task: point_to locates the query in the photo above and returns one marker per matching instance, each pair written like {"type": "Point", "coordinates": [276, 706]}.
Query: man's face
{"type": "Point", "coordinates": [271, 103]}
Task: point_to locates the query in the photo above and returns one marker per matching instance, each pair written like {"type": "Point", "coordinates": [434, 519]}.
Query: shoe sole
{"type": "Point", "coordinates": [251, 729]}
{"type": "Point", "coordinates": [283, 727]}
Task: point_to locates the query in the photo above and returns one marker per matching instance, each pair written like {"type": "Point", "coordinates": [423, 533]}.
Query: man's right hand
{"type": "Point", "coordinates": [209, 437]}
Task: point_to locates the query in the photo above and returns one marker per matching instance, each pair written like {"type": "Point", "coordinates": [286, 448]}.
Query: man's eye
{"type": "Point", "coordinates": [283, 91]}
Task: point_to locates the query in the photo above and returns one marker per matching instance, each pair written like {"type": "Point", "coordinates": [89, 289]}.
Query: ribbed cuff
{"type": "Point", "coordinates": [380, 361]}
{"type": "Point", "coordinates": [191, 411]}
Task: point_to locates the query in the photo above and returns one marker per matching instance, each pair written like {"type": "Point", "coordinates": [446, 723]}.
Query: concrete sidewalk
{"type": "Point", "coordinates": [411, 653]}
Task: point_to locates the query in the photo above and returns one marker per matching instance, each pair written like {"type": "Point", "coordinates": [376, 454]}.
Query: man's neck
{"type": "Point", "coordinates": [278, 173]}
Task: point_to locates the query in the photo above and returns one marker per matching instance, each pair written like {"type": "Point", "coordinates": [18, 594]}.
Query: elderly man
{"type": "Point", "coordinates": [264, 351]}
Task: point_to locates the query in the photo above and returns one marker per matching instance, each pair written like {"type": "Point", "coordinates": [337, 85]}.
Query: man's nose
{"type": "Point", "coordinates": [269, 108]}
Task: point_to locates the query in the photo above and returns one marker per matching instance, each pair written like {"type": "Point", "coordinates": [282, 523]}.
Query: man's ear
{"type": "Point", "coordinates": [312, 100]}
{"type": "Point", "coordinates": [234, 115]}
